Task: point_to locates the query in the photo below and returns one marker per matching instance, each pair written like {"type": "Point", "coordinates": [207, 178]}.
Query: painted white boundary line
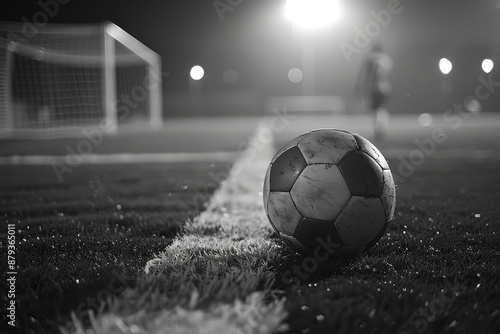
{"type": "Point", "coordinates": [445, 154]}
{"type": "Point", "coordinates": [132, 158]}
{"type": "Point", "coordinates": [119, 158]}
{"type": "Point", "coordinates": [236, 209]}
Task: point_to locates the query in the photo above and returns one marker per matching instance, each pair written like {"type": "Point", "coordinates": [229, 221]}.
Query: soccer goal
{"type": "Point", "coordinates": [60, 78]}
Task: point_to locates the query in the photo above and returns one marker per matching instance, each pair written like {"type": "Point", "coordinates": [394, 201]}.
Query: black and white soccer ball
{"type": "Point", "coordinates": [329, 190]}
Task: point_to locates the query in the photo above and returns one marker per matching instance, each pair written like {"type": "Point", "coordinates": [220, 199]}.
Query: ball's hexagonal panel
{"type": "Point", "coordinates": [292, 143]}
{"type": "Point", "coordinates": [308, 231]}
{"type": "Point", "coordinates": [285, 169]}
{"type": "Point", "coordinates": [363, 175]}
{"type": "Point", "coordinates": [360, 221]}
{"type": "Point", "coordinates": [389, 195]}
{"type": "Point", "coordinates": [371, 150]}
{"type": "Point", "coordinates": [320, 192]}
{"type": "Point", "coordinates": [327, 146]}
{"type": "Point", "coordinates": [266, 190]}
{"type": "Point", "coordinates": [282, 212]}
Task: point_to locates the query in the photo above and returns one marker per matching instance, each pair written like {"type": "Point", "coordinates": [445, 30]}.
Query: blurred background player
{"type": "Point", "coordinates": [374, 87]}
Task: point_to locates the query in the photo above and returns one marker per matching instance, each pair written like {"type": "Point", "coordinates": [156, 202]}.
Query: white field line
{"type": "Point", "coordinates": [455, 153]}
{"type": "Point", "coordinates": [222, 156]}
{"type": "Point", "coordinates": [236, 211]}
{"type": "Point", "coordinates": [118, 158]}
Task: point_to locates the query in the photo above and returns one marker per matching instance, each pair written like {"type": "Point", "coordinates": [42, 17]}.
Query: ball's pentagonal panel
{"type": "Point", "coordinates": [349, 251]}
{"type": "Point", "coordinates": [327, 146]}
{"type": "Point", "coordinates": [292, 143]}
{"type": "Point", "coordinates": [365, 145]}
{"type": "Point", "coordinates": [389, 195]}
{"type": "Point", "coordinates": [309, 230]}
{"type": "Point", "coordinates": [285, 169]}
{"type": "Point", "coordinates": [282, 212]}
{"type": "Point", "coordinates": [320, 192]}
{"type": "Point", "coordinates": [363, 175]}
{"type": "Point", "coordinates": [360, 221]}
{"type": "Point", "coordinates": [296, 245]}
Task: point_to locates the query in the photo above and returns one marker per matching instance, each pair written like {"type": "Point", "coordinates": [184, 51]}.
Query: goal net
{"type": "Point", "coordinates": [65, 77]}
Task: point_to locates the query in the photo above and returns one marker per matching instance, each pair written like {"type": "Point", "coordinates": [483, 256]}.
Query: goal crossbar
{"type": "Point", "coordinates": [50, 56]}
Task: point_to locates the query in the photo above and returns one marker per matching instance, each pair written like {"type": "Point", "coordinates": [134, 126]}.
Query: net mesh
{"type": "Point", "coordinates": [63, 38]}
{"type": "Point", "coordinates": [54, 78]}
{"type": "Point", "coordinates": [48, 95]}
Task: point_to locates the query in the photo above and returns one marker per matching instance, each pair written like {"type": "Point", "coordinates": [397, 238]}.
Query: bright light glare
{"type": "Point", "coordinates": [312, 13]}
{"type": "Point", "coordinates": [487, 65]}
{"type": "Point", "coordinates": [445, 66]}
{"type": "Point", "coordinates": [197, 72]}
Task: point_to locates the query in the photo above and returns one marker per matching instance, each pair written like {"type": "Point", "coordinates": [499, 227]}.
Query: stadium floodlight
{"type": "Point", "coordinates": [312, 13]}
{"type": "Point", "coordinates": [487, 65]}
{"type": "Point", "coordinates": [66, 77]}
{"type": "Point", "coordinates": [445, 65]}
{"type": "Point", "coordinates": [197, 72]}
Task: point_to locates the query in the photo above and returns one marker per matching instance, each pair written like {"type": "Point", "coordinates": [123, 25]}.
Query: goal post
{"type": "Point", "coordinates": [5, 89]}
{"type": "Point", "coordinates": [109, 78]}
{"type": "Point", "coordinates": [152, 80]}
{"type": "Point", "coordinates": [69, 77]}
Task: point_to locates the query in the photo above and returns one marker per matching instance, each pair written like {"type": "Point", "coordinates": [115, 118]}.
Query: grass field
{"type": "Point", "coordinates": [101, 222]}
{"type": "Point", "coordinates": [147, 248]}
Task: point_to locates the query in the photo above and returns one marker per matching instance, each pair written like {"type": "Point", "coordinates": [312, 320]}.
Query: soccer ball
{"type": "Point", "coordinates": [329, 190]}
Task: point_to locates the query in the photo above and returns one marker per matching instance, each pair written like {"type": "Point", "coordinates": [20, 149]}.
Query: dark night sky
{"type": "Point", "coordinates": [256, 40]}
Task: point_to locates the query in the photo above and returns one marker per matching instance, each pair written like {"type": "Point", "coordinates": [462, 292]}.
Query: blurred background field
{"type": "Point", "coordinates": [230, 134]}
{"type": "Point", "coordinates": [106, 220]}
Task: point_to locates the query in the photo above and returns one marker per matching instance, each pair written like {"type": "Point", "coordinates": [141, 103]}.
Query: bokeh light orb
{"type": "Point", "coordinates": [445, 65]}
{"type": "Point", "coordinates": [425, 119]}
{"type": "Point", "coordinates": [487, 65]}
{"type": "Point", "coordinates": [197, 72]}
{"type": "Point", "coordinates": [230, 77]}
{"type": "Point", "coordinates": [295, 75]}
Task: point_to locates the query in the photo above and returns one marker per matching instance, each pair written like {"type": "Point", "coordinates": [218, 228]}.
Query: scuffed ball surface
{"type": "Point", "coordinates": [329, 189]}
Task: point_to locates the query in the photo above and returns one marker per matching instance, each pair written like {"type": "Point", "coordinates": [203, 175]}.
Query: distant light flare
{"type": "Point", "coordinates": [445, 66]}
{"type": "Point", "coordinates": [312, 13]}
{"type": "Point", "coordinates": [197, 72]}
{"type": "Point", "coordinates": [487, 65]}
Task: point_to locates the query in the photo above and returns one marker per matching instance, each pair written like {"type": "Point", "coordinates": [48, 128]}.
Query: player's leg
{"type": "Point", "coordinates": [381, 122]}
{"type": "Point", "coordinates": [381, 116]}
